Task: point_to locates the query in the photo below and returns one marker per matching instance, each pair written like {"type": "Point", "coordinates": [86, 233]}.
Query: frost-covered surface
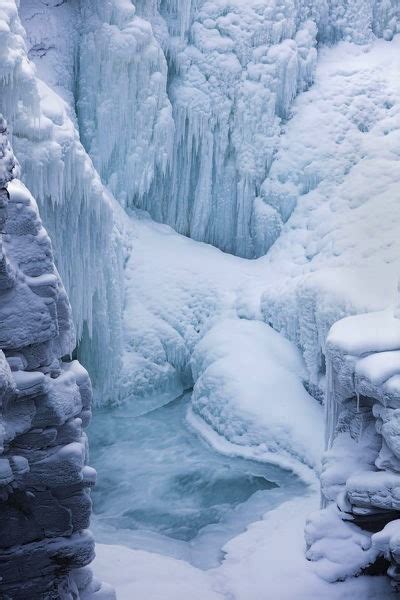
{"type": "Point", "coordinates": [209, 87]}
{"type": "Point", "coordinates": [265, 561]}
{"type": "Point", "coordinates": [45, 403]}
{"type": "Point", "coordinates": [361, 467]}
{"type": "Point", "coordinates": [231, 85]}
{"type": "Point", "coordinates": [340, 238]}
{"type": "Point", "coordinates": [189, 318]}
{"type": "Point", "coordinates": [330, 250]}
{"type": "Point", "coordinates": [130, 141]}
{"type": "Point", "coordinates": [249, 384]}
{"type": "Point", "coordinates": [213, 131]}
{"type": "Point", "coordinates": [79, 213]}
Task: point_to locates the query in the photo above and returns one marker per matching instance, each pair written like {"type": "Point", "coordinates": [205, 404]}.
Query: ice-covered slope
{"type": "Point", "coordinates": [336, 243]}
{"type": "Point", "coordinates": [207, 103]}
{"type": "Point", "coordinates": [339, 251]}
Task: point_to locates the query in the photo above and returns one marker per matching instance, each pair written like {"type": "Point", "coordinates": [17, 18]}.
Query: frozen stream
{"type": "Point", "coordinates": [162, 488]}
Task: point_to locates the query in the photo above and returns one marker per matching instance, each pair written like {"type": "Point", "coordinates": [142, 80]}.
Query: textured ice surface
{"type": "Point", "coordinates": [160, 486]}
{"type": "Point", "coordinates": [81, 216]}
{"type": "Point", "coordinates": [209, 88]}
{"type": "Point", "coordinates": [249, 388]}
{"type": "Point", "coordinates": [210, 67]}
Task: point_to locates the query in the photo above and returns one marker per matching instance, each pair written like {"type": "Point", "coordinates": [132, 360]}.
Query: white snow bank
{"type": "Point", "coordinates": [361, 334]}
{"type": "Point", "coordinates": [140, 574]}
{"type": "Point", "coordinates": [338, 548]}
{"type": "Point", "coordinates": [248, 387]}
{"type": "Point", "coordinates": [267, 561]}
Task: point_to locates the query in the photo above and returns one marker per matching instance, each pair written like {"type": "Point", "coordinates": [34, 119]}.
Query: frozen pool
{"type": "Point", "coordinates": [161, 487]}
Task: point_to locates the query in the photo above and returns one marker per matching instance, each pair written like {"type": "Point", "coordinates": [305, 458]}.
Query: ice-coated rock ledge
{"type": "Point", "coordinates": [359, 529]}
{"type": "Point", "coordinates": [45, 402]}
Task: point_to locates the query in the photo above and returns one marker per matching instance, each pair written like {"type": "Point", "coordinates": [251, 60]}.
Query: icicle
{"type": "Point", "coordinates": [331, 404]}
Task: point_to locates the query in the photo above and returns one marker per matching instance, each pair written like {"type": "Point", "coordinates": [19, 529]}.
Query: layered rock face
{"type": "Point", "coordinates": [45, 402]}
{"type": "Point", "coordinates": [359, 528]}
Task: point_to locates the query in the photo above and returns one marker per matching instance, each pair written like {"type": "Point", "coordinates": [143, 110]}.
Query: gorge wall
{"type": "Point", "coordinates": [359, 528]}
{"type": "Point", "coordinates": [45, 403]}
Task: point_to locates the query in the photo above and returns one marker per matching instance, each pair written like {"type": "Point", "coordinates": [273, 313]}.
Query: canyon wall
{"type": "Point", "coordinates": [358, 529]}
{"type": "Point", "coordinates": [45, 403]}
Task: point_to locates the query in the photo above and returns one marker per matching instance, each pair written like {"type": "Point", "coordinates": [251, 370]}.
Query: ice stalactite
{"type": "Point", "coordinates": [331, 405]}
{"type": "Point", "coordinates": [123, 109]}
{"type": "Point", "coordinates": [81, 216]}
{"type": "Point", "coordinates": [230, 86]}
{"type": "Point", "coordinates": [229, 72]}
{"type": "Point", "coordinates": [45, 402]}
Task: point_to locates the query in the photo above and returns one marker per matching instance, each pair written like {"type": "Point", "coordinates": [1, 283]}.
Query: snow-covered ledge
{"type": "Point", "coordinates": [45, 402]}
{"type": "Point", "coordinates": [358, 529]}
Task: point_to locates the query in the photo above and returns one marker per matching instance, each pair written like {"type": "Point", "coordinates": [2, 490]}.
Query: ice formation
{"type": "Point", "coordinates": [360, 479]}
{"type": "Point", "coordinates": [260, 127]}
{"type": "Point", "coordinates": [249, 380]}
{"type": "Point", "coordinates": [209, 88]}
{"type": "Point", "coordinates": [79, 213]}
{"type": "Point", "coordinates": [45, 403]}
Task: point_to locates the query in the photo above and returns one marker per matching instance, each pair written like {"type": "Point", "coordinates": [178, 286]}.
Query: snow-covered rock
{"type": "Point", "coordinates": [360, 475]}
{"type": "Point", "coordinates": [45, 402]}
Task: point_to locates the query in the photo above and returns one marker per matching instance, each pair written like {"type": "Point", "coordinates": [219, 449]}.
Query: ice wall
{"type": "Point", "coordinates": [338, 254]}
{"type": "Point", "coordinates": [232, 74]}
{"type": "Point", "coordinates": [229, 71]}
{"type": "Point", "coordinates": [45, 402]}
{"type": "Point", "coordinates": [81, 216]}
{"type": "Point", "coordinates": [124, 111]}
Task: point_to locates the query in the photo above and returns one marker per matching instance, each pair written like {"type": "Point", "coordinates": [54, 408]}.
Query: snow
{"type": "Point", "coordinates": [248, 387]}
{"type": "Point", "coordinates": [343, 180]}
{"type": "Point", "coordinates": [366, 333]}
{"type": "Point", "coordinates": [266, 561]}
{"type": "Point", "coordinates": [235, 127]}
{"type": "Point", "coordinates": [339, 548]}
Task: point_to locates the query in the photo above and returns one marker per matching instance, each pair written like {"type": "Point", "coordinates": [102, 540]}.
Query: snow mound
{"type": "Point", "coordinates": [248, 387]}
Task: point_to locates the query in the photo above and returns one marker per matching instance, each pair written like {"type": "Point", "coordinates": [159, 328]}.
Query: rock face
{"type": "Point", "coordinates": [359, 528]}
{"type": "Point", "coordinates": [45, 402]}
